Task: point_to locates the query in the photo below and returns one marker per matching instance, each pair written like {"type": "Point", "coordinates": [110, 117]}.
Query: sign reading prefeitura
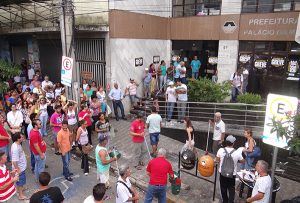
{"type": "Point", "coordinates": [275, 26]}
{"type": "Point", "coordinates": [278, 106]}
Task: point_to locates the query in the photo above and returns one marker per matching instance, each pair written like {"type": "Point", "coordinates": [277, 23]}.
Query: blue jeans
{"type": "Point", "coordinates": [248, 163]}
{"type": "Point", "coordinates": [39, 166]}
{"type": "Point", "coordinates": [44, 120]}
{"type": "Point", "coordinates": [66, 163]}
{"type": "Point", "coordinates": [234, 93]}
{"type": "Point", "coordinates": [32, 160]}
{"type": "Point", "coordinates": [183, 80]}
{"type": "Point", "coordinates": [103, 106]}
{"type": "Point", "coordinates": [116, 104]}
{"type": "Point", "coordinates": [196, 75]}
{"type": "Point", "coordinates": [181, 106]}
{"type": "Point", "coordinates": [170, 107]}
{"type": "Point", "coordinates": [158, 191]}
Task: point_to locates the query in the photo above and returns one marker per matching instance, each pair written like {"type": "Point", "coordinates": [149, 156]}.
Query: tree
{"type": "Point", "coordinates": [7, 71]}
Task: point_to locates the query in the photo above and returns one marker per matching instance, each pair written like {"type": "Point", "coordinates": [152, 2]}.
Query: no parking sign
{"type": "Point", "coordinates": [66, 71]}
{"type": "Point", "coordinates": [278, 106]}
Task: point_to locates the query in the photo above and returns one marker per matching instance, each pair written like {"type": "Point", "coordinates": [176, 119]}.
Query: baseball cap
{"type": "Point", "coordinates": [131, 79]}
{"type": "Point", "coordinates": [230, 139]}
{"type": "Point", "coordinates": [102, 137]}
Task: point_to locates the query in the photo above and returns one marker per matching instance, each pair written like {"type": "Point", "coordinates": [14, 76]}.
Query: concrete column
{"type": "Point", "coordinates": [228, 49]}
{"type": "Point", "coordinates": [4, 49]}
{"type": "Point", "coordinates": [33, 52]}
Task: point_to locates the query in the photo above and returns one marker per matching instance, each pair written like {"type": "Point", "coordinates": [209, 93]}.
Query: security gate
{"type": "Point", "coordinates": [90, 59]}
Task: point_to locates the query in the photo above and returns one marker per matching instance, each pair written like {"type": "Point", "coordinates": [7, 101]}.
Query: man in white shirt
{"type": "Point", "coordinates": [236, 80]}
{"type": "Point", "coordinates": [46, 82]}
{"type": "Point", "coordinates": [131, 89]}
{"type": "Point", "coordinates": [181, 91]}
{"type": "Point", "coordinates": [19, 163]}
{"type": "Point", "coordinates": [154, 124]}
{"type": "Point", "coordinates": [98, 194]}
{"type": "Point", "coordinates": [262, 187]}
{"type": "Point", "coordinates": [30, 72]}
{"type": "Point", "coordinates": [116, 96]}
{"type": "Point", "coordinates": [183, 73]}
{"type": "Point", "coordinates": [171, 100]}
{"type": "Point", "coordinates": [125, 191]}
{"type": "Point", "coordinates": [245, 79]}
{"type": "Point", "coordinates": [219, 132]}
{"type": "Point", "coordinates": [15, 119]}
{"type": "Point", "coordinates": [227, 184]}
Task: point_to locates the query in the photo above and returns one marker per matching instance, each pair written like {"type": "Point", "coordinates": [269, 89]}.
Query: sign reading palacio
{"type": "Point", "coordinates": [276, 26]}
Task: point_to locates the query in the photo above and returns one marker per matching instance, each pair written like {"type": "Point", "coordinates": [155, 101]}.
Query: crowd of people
{"type": "Point", "coordinates": [34, 105]}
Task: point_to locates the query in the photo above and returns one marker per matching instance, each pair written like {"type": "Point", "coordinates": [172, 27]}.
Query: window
{"type": "Point", "coordinates": [268, 6]}
{"type": "Point", "coordinates": [196, 7]}
{"type": "Point", "coordinates": [282, 5]}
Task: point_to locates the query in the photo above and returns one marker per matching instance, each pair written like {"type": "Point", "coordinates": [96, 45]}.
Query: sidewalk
{"type": "Point", "coordinates": [200, 190]}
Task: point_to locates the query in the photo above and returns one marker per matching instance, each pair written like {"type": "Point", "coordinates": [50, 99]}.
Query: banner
{"type": "Point", "coordinates": [213, 60]}
{"type": "Point", "coordinates": [293, 67]}
{"type": "Point", "coordinates": [244, 58]}
{"type": "Point", "coordinates": [261, 62]}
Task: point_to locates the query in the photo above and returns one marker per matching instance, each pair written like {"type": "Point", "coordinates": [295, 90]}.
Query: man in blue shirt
{"type": "Point", "coordinates": [116, 96]}
{"type": "Point", "coordinates": [195, 64]}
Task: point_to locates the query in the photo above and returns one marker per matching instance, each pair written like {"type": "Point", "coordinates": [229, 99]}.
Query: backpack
{"type": "Point", "coordinates": [227, 167]}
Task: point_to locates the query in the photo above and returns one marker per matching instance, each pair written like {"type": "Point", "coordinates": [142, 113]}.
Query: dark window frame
{"type": "Point", "coordinates": [256, 10]}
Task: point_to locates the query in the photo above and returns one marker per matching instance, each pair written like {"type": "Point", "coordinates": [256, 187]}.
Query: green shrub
{"type": "Point", "coordinates": [205, 90]}
{"type": "Point", "coordinates": [249, 98]}
{"type": "Point", "coordinates": [8, 70]}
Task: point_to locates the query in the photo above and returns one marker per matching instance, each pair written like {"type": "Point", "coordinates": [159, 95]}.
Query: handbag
{"type": "Point", "coordinates": [255, 153]}
{"type": "Point", "coordinates": [86, 149]}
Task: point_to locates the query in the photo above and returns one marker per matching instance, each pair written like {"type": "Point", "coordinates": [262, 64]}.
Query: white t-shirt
{"type": "Point", "coordinates": [183, 69]}
{"type": "Point", "coordinates": [132, 88]}
{"type": "Point", "coordinates": [17, 79]}
{"type": "Point", "coordinates": [154, 120]}
{"type": "Point", "coordinates": [236, 156]}
{"type": "Point", "coordinates": [263, 185]}
{"type": "Point", "coordinates": [182, 97]}
{"type": "Point", "coordinates": [43, 109]}
{"type": "Point", "coordinates": [30, 73]}
{"type": "Point", "coordinates": [171, 94]}
{"type": "Point", "coordinates": [89, 199]}
{"type": "Point", "coordinates": [71, 115]}
{"type": "Point", "coordinates": [16, 119]}
{"type": "Point", "coordinates": [123, 193]}
{"type": "Point", "coordinates": [45, 83]}
{"type": "Point", "coordinates": [218, 130]}
{"type": "Point", "coordinates": [245, 74]}
{"type": "Point", "coordinates": [18, 155]}
{"type": "Point", "coordinates": [237, 79]}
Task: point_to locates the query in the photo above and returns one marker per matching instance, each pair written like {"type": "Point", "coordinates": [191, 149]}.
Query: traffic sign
{"type": "Point", "coordinates": [278, 106]}
{"type": "Point", "coordinates": [66, 71]}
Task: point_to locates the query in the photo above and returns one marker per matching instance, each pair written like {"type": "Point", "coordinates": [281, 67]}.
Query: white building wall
{"type": "Point", "coordinates": [228, 49]}
{"type": "Point", "coordinates": [122, 60]}
{"type": "Point", "coordinates": [161, 8]}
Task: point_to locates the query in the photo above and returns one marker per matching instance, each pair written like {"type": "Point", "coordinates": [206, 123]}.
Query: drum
{"type": "Point", "coordinates": [206, 166]}
{"type": "Point", "coordinates": [188, 159]}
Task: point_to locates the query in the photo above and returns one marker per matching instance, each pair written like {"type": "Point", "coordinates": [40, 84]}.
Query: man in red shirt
{"type": "Point", "coordinates": [158, 170]}
{"type": "Point", "coordinates": [7, 187]}
{"type": "Point", "coordinates": [4, 137]}
{"type": "Point", "coordinates": [38, 148]}
{"type": "Point", "coordinates": [137, 131]}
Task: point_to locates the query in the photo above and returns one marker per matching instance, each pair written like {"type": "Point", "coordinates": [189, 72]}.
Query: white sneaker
{"type": "Point", "coordinates": [86, 174]}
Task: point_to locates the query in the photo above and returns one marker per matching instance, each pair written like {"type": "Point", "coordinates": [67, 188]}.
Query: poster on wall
{"type": "Point", "coordinates": [245, 58]}
{"type": "Point", "coordinates": [261, 62]}
{"type": "Point", "coordinates": [156, 59]}
{"type": "Point", "coordinates": [212, 60]}
{"type": "Point", "coordinates": [138, 61]}
{"type": "Point", "coordinates": [293, 71]}
{"type": "Point", "coordinates": [277, 65]}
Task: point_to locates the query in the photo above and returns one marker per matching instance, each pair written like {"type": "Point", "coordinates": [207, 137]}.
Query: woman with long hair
{"type": "Point", "coordinates": [102, 127]}
{"type": "Point", "coordinates": [249, 147]}
{"type": "Point", "coordinates": [95, 106]}
{"type": "Point", "coordinates": [153, 80]}
{"type": "Point", "coordinates": [101, 95]}
{"type": "Point", "coordinates": [189, 144]}
{"type": "Point", "coordinates": [83, 140]}
{"type": "Point", "coordinates": [85, 114]}
{"type": "Point", "coordinates": [43, 115]}
{"type": "Point", "coordinates": [70, 112]}
{"type": "Point", "coordinates": [162, 72]}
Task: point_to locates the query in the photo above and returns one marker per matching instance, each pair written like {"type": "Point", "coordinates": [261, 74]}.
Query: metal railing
{"type": "Point", "coordinates": [237, 115]}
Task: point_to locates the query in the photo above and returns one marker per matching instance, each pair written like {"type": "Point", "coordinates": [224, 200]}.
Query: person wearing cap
{"type": "Point", "coordinates": [171, 100]}
{"type": "Point", "coordinates": [227, 184]}
{"type": "Point", "coordinates": [125, 191]}
{"type": "Point", "coordinates": [219, 132]}
{"type": "Point", "coordinates": [131, 90]}
{"type": "Point", "coordinates": [103, 160]}
{"type": "Point", "coordinates": [116, 96]}
{"type": "Point", "coordinates": [147, 81]}
{"type": "Point", "coordinates": [137, 132]}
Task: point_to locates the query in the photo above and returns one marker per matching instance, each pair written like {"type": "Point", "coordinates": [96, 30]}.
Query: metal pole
{"type": "Point", "coordinates": [274, 160]}
{"type": "Point", "coordinates": [215, 183]}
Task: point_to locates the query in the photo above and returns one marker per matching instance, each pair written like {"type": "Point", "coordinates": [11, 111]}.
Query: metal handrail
{"type": "Point", "coordinates": [248, 116]}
